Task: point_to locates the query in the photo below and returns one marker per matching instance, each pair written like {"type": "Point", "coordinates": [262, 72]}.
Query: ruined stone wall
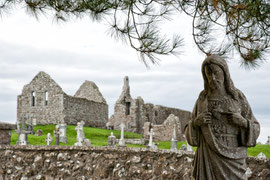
{"type": "Point", "coordinates": [165, 131]}
{"type": "Point", "coordinates": [129, 119]}
{"type": "Point", "coordinates": [65, 162]}
{"type": "Point", "coordinates": [158, 114]}
{"type": "Point", "coordinates": [76, 109]}
{"type": "Point", "coordinates": [134, 112]}
{"type": "Point", "coordinates": [49, 113]}
{"type": "Point", "coordinates": [134, 120]}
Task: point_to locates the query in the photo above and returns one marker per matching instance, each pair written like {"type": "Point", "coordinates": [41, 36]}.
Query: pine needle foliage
{"type": "Point", "coordinates": [244, 24]}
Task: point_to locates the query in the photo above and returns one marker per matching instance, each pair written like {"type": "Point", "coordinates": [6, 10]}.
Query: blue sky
{"type": "Point", "coordinates": [81, 50]}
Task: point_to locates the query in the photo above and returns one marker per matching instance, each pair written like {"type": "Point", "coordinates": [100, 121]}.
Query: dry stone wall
{"type": "Point", "coordinates": [68, 162]}
{"type": "Point", "coordinates": [55, 162]}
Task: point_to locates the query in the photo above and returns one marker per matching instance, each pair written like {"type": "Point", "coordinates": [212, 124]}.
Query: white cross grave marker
{"type": "Point", "coordinates": [122, 140]}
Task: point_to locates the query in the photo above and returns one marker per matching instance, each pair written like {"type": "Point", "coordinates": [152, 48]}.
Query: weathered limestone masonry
{"type": "Point", "coordinates": [164, 132]}
{"type": "Point", "coordinates": [45, 101]}
{"type": "Point", "coordinates": [53, 162]}
{"type": "Point", "coordinates": [67, 162]}
{"type": "Point", "coordinates": [94, 114]}
{"type": "Point", "coordinates": [134, 112]}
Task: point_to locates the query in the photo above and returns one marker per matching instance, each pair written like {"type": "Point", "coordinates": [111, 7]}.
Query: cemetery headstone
{"type": "Point", "coordinates": [122, 140]}
{"type": "Point", "coordinates": [23, 134]}
{"type": "Point", "coordinates": [261, 156]}
{"type": "Point", "coordinates": [111, 140]}
{"type": "Point", "coordinates": [86, 142]}
{"type": "Point", "coordinates": [186, 147]}
{"type": "Point", "coordinates": [39, 132]}
{"type": "Point", "coordinates": [56, 135]}
{"type": "Point", "coordinates": [49, 139]}
{"type": "Point", "coordinates": [189, 148]}
{"type": "Point", "coordinates": [80, 134]}
{"type": "Point", "coordinates": [151, 144]}
{"type": "Point", "coordinates": [183, 147]}
{"type": "Point", "coordinates": [30, 128]}
{"type": "Point", "coordinates": [173, 140]}
{"type": "Point", "coordinates": [63, 132]}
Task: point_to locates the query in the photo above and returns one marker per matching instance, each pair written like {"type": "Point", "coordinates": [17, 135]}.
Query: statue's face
{"type": "Point", "coordinates": [215, 76]}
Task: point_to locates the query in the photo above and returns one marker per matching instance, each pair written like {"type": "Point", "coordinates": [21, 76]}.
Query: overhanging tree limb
{"type": "Point", "coordinates": [245, 23]}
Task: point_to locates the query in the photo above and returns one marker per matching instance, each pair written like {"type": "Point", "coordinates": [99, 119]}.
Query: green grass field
{"type": "Point", "coordinates": [99, 137]}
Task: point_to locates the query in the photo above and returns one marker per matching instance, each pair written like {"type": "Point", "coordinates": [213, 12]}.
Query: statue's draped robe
{"type": "Point", "coordinates": [222, 146]}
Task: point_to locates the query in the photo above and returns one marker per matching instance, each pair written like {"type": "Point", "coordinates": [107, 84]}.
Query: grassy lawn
{"type": "Point", "coordinates": [99, 137]}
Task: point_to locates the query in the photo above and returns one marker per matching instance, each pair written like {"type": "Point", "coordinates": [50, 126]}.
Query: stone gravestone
{"type": "Point", "coordinates": [183, 147]}
{"type": "Point", "coordinates": [122, 140]}
{"type": "Point", "coordinates": [39, 132]}
{"type": "Point", "coordinates": [151, 143]}
{"type": "Point", "coordinates": [23, 133]}
{"type": "Point", "coordinates": [80, 134]}
{"type": "Point", "coordinates": [86, 142]}
{"type": "Point", "coordinates": [268, 141]}
{"type": "Point", "coordinates": [63, 132]}
{"type": "Point", "coordinates": [5, 132]}
{"type": "Point", "coordinates": [189, 148]}
{"type": "Point", "coordinates": [261, 156]}
{"type": "Point", "coordinates": [186, 147]}
{"type": "Point", "coordinates": [173, 140]}
{"type": "Point", "coordinates": [56, 135]}
{"type": "Point", "coordinates": [111, 140]}
{"type": "Point", "coordinates": [109, 126]}
{"type": "Point", "coordinates": [49, 139]}
{"type": "Point", "coordinates": [222, 125]}
{"type": "Point", "coordinates": [30, 125]}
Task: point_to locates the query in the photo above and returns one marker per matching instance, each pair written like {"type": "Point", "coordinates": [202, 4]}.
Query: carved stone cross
{"type": "Point", "coordinates": [48, 140]}
{"type": "Point", "coordinates": [151, 145]}
{"type": "Point", "coordinates": [122, 140]}
{"type": "Point", "coordinates": [174, 141]}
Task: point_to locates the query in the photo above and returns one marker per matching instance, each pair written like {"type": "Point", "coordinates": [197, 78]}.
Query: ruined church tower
{"type": "Point", "coordinates": [127, 110]}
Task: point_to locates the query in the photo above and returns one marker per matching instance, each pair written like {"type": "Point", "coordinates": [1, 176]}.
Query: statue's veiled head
{"type": "Point", "coordinates": [216, 73]}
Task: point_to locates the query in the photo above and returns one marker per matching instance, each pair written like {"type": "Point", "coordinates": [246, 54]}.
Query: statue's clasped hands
{"type": "Point", "coordinates": [203, 119]}
{"type": "Point", "coordinates": [236, 118]}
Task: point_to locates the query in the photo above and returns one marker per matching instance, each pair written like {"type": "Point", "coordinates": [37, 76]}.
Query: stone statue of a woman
{"type": "Point", "coordinates": [222, 126]}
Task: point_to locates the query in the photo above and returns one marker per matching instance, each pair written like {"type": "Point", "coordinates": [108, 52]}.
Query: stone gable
{"type": "Point", "coordinates": [90, 91]}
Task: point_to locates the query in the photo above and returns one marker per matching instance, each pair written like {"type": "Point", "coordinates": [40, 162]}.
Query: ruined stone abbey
{"type": "Point", "coordinates": [44, 101]}
{"type": "Point", "coordinates": [139, 117]}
